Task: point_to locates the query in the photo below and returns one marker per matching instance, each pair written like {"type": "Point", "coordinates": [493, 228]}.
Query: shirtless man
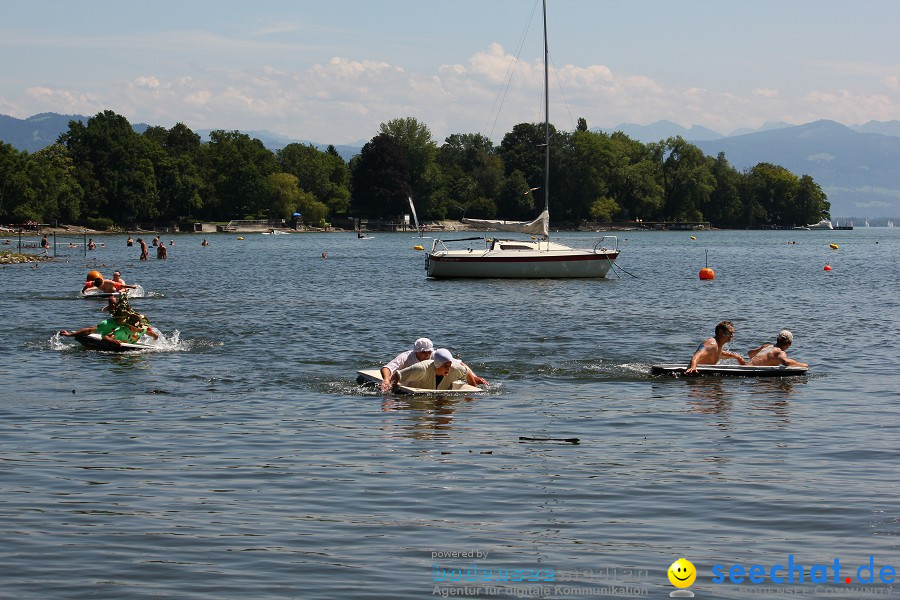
{"type": "Point", "coordinates": [107, 286]}
{"type": "Point", "coordinates": [713, 349]}
{"type": "Point", "coordinates": [769, 355]}
{"type": "Point", "coordinates": [143, 248]}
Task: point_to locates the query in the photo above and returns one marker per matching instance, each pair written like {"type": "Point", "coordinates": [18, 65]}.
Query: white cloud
{"type": "Point", "coordinates": [344, 99]}
{"type": "Point", "coordinates": [765, 93]}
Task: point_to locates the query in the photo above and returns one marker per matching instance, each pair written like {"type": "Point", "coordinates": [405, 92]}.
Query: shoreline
{"type": "Point", "coordinates": [431, 227]}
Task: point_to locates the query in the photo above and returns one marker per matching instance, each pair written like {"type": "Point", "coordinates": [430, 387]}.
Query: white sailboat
{"type": "Point", "coordinates": [524, 258]}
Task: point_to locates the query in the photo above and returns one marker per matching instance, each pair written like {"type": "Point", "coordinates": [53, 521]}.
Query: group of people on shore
{"type": "Point", "coordinates": [711, 350]}
{"type": "Point", "coordinates": [124, 324]}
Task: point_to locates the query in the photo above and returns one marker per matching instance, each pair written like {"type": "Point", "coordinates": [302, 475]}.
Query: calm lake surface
{"type": "Point", "coordinates": [242, 460]}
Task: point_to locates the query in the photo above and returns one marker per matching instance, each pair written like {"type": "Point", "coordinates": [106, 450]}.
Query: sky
{"type": "Point", "coordinates": [332, 71]}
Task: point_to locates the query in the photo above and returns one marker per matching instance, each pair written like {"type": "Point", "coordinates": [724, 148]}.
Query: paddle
{"type": "Point", "coordinates": [535, 439]}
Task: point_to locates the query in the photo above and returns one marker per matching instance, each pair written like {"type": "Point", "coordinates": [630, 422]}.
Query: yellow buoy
{"type": "Point", "coordinates": [240, 237]}
{"type": "Point", "coordinates": [418, 248]}
{"type": "Point", "coordinates": [833, 246]}
{"type": "Point", "coordinates": [693, 237]}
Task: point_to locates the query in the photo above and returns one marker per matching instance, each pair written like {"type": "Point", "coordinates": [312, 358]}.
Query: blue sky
{"type": "Point", "coordinates": [332, 71]}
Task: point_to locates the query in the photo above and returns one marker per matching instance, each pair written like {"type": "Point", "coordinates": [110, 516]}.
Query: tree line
{"type": "Point", "coordinates": [103, 174]}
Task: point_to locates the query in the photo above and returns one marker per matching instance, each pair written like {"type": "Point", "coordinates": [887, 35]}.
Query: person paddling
{"type": "Point", "coordinates": [774, 355]}
{"type": "Point", "coordinates": [710, 351]}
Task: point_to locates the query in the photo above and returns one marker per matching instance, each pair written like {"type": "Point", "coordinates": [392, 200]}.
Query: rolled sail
{"type": "Point", "coordinates": [540, 226]}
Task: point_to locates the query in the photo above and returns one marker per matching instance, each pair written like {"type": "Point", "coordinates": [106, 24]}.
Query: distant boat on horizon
{"type": "Point", "coordinates": [823, 224]}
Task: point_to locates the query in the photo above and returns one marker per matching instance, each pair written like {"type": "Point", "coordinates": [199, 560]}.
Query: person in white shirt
{"type": "Point", "coordinates": [422, 350]}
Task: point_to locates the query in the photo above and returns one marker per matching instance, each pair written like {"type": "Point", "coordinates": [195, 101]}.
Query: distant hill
{"type": "Point", "coordinates": [36, 132]}
{"type": "Point", "coordinates": [859, 171]}
{"type": "Point", "coordinates": [662, 130]}
{"type": "Point", "coordinates": [39, 131]}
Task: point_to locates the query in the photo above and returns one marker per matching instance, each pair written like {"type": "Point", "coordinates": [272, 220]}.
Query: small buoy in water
{"type": "Point", "coordinates": [833, 246]}
{"type": "Point", "coordinates": [707, 274]}
{"type": "Point", "coordinates": [240, 237]}
{"type": "Point", "coordinates": [418, 248]}
{"type": "Point", "coordinates": [693, 237]}
{"type": "Point", "coordinates": [324, 255]}
{"type": "Point", "coordinates": [92, 275]}
{"type": "Point", "coordinates": [827, 268]}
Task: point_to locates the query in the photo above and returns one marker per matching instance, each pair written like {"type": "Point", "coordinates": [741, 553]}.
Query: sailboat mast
{"type": "Point", "coordinates": [546, 115]}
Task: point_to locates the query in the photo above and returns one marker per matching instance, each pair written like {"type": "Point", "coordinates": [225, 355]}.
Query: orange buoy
{"type": "Point", "coordinates": [92, 275]}
{"type": "Point", "coordinates": [827, 268]}
{"type": "Point", "coordinates": [706, 273]}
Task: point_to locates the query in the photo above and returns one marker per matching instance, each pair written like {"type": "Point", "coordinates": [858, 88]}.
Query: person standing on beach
{"type": "Point", "coordinates": [710, 351]}
{"type": "Point", "coordinates": [143, 248]}
{"type": "Point", "coordinates": [775, 355]}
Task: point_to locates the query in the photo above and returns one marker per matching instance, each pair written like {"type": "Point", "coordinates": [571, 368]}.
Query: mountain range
{"type": "Point", "coordinates": [858, 167]}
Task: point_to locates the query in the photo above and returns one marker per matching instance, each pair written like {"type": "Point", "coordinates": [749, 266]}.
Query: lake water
{"type": "Point", "coordinates": [242, 460]}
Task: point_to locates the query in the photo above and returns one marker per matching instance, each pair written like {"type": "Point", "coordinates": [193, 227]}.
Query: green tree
{"type": "Point", "coordinates": [14, 186]}
{"type": "Point", "coordinates": [472, 175]}
{"type": "Point", "coordinates": [176, 154]}
{"type": "Point", "coordinates": [114, 167]}
{"type": "Point", "coordinates": [53, 186]}
{"type": "Point", "coordinates": [380, 176]}
{"type": "Point", "coordinates": [324, 174]}
{"type": "Point", "coordinates": [237, 168]}
{"type": "Point", "coordinates": [516, 200]}
{"type": "Point", "coordinates": [585, 186]}
{"type": "Point", "coordinates": [522, 150]}
{"type": "Point", "coordinates": [725, 207]}
{"type": "Point", "coordinates": [770, 191]}
{"type": "Point", "coordinates": [688, 181]}
{"type": "Point", "coordinates": [811, 204]}
{"type": "Point", "coordinates": [414, 140]}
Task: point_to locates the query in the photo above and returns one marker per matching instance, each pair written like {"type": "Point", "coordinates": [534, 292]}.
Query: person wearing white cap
{"type": "Point", "coordinates": [422, 350]}
{"type": "Point", "coordinates": [769, 355]}
{"type": "Point", "coordinates": [424, 374]}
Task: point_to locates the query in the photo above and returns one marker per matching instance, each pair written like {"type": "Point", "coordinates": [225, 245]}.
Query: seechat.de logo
{"type": "Point", "coordinates": [793, 572]}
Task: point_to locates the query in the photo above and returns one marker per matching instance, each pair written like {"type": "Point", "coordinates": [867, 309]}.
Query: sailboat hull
{"type": "Point", "coordinates": [520, 264]}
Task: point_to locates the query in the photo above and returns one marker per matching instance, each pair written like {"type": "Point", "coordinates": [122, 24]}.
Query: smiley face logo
{"type": "Point", "coordinates": [682, 573]}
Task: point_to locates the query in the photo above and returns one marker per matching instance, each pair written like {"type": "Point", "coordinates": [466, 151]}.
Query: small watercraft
{"type": "Point", "coordinates": [739, 370]}
{"type": "Point", "coordinates": [91, 292]}
{"type": "Point", "coordinates": [95, 341]}
{"type": "Point", "coordinates": [372, 377]}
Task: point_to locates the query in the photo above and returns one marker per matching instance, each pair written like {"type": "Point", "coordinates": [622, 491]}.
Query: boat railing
{"type": "Point", "coordinates": [599, 248]}
{"type": "Point", "coordinates": [441, 242]}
